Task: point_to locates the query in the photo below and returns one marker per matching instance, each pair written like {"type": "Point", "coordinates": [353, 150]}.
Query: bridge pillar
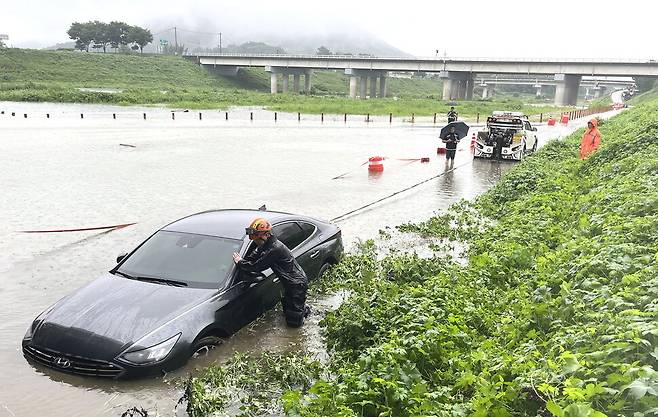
{"type": "Point", "coordinates": [457, 85]}
{"type": "Point", "coordinates": [566, 89]}
{"type": "Point", "coordinates": [353, 82]}
{"type": "Point", "coordinates": [373, 87]}
{"type": "Point", "coordinates": [469, 86]}
{"type": "Point", "coordinates": [286, 80]}
{"type": "Point", "coordinates": [538, 92]}
{"type": "Point", "coordinates": [382, 86]}
{"type": "Point", "coordinates": [295, 83]}
{"type": "Point", "coordinates": [362, 76]}
{"type": "Point", "coordinates": [447, 89]}
{"type": "Point", "coordinates": [273, 87]}
{"type": "Point", "coordinates": [307, 81]}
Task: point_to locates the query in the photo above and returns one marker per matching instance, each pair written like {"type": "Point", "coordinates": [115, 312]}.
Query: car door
{"type": "Point", "coordinates": [248, 297]}
{"type": "Point", "coordinates": [531, 137]}
{"type": "Point", "coordinates": [310, 254]}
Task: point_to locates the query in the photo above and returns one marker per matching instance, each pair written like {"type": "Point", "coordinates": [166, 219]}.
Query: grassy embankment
{"type": "Point", "coordinates": [56, 76]}
{"type": "Point", "coordinates": [555, 313]}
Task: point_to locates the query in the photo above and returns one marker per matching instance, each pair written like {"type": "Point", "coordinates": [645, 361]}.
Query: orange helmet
{"type": "Point", "coordinates": [258, 225]}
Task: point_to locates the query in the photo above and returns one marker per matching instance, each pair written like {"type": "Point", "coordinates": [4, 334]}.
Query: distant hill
{"type": "Point", "coordinates": [348, 42]}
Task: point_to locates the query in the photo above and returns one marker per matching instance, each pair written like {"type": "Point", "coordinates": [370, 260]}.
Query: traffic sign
{"type": "Point", "coordinates": [163, 41]}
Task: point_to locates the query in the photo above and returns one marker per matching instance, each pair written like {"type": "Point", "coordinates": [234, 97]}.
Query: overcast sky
{"type": "Point", "coordinates": [504, 28]}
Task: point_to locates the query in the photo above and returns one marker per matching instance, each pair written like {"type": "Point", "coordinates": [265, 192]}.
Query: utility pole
{"type": "Point", "coordinates": [175, 41]}
{"type": "Point", "coordinates": [220, 42]}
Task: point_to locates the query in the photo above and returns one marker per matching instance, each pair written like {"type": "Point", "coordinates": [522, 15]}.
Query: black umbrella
{"type": "Point", "coordinates": [461, 129]}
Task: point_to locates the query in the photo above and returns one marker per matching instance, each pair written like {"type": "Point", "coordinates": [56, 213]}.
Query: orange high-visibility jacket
{"type": "Point", "coordinates": [591, 140]}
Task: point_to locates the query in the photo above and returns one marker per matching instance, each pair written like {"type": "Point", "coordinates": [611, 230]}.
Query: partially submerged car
{"type": "Point", "coordinates": [177, 294]}
{"type": "Point", "coordinates": [508, 135]}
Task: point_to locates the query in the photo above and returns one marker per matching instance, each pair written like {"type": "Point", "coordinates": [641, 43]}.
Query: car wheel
{"type": "Point", "coordinates": [323, 269]}
{"type": "Point", "coordinates": [204, 345]}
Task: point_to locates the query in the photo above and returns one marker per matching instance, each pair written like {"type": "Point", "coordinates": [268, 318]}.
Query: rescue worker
{"type": "Point", "coordinates": [591, 139]}
{"type": "Point", "coordinates": [270, 252]}
{"type": "Point", "coordinates": [451, 140]}
{"type": "Point", "coordinates": [452, 115]}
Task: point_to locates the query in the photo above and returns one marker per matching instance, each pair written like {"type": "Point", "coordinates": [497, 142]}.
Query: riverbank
{"type": "Point", "coordinates": [554, 313]}
{"type": "Point", "coordinates": [75, 77]}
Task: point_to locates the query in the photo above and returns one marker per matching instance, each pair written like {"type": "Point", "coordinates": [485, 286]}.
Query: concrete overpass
{"type": "Point", "coordinates": [595, 84]}
{"type": "Point", "coordinates": [458, 74]}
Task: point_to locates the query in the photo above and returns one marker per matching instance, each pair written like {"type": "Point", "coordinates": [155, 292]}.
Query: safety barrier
{"type": "Point", "coordinates": [322, 117]}
{"type": "Point", "coordinates": [344, 117]}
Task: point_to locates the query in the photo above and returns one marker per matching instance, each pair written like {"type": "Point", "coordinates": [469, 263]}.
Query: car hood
{"type": "Point", "coordinates": [103, 318]}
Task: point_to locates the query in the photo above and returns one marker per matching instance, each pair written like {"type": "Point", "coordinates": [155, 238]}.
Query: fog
{"type": "Point", "coordinates": [512, 28]}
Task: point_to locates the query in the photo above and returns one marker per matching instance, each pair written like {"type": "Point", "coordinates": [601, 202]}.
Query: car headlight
{"type": "Point", "coordinates": [152, 354]}
{"type": "Point", "coordinates": [30, 331]}
{"type": "Point", "coordinates": [35, 323]}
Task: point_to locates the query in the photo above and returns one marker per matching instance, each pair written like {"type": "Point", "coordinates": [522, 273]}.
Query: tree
{"type": "Point", "coordinates": [140, 37]}
{"type": "Point", "coordinates": [83, 34]}
{"type": "Point", "coordinates": [102, 35]}
{"type": "Point", "coordinates": [323, 50]}
{"type": "Point", "coordinates": [117, 33]}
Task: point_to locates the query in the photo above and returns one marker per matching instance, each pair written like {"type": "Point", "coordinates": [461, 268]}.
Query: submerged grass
{"type": "Point", "coordinates": [555, 313]}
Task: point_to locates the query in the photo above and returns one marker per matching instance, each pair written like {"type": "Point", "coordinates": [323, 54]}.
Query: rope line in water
{"type": "Point", "coordinates": [342, 216]}
{"type": "Point", "coordinates": [116, 226]}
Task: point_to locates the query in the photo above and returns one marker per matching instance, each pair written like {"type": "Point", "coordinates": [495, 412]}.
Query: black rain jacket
{"type": "Point", "coordinates": [274, 254]}
{"type": "Point", "coordinates": [451, 141]}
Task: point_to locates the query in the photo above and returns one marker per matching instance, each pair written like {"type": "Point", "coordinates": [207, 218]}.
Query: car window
{"type": "Point", "coordinates": [308, 229]}
{"type": "Point", "coordinates": [527, 126]}
{"type": "Point", "coordinates": [290, 233]}
{"type": "Point", "coordinates": [198, 260]}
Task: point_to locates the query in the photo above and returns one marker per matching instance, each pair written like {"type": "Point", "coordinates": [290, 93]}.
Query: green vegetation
{"type": "Point", "coordinates": [600, 102]}
{"type": "Point", "coordinates": [114, 34]}
{"type": "Point", "coordinates": [57, 76]}
{"type": "Point", "coordinates": [555, 312]}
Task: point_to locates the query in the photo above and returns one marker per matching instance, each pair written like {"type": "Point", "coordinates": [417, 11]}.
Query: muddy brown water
{"type": "Point", "coordinates": [65, 172]}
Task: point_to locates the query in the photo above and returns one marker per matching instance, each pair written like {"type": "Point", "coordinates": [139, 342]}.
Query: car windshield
{"type": "Point", "coordinates": [197, 260]}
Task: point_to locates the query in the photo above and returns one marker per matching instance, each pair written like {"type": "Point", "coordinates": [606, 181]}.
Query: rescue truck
{"type": "Point", "coordinates": [508, 135]}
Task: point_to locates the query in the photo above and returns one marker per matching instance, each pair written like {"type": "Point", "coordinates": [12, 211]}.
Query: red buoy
{"type": "Point", "coordinates": [376, 163]}
{"type": "Point", "coordinates": [440, 150]}
{"type": "Point", "coordinates": [473, 140]}
{"type": "Point", "coordinates": [424, 160]}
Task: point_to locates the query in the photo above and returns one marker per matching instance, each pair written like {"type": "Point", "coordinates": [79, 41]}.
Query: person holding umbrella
{"type": "Point", "coordinates": [450, 135]}
{"type": "Point", "coordinates": [451, 140]}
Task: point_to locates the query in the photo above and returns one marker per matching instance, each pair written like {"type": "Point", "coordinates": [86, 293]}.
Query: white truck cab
{"type": "Point", "coordinates": [508, 135]}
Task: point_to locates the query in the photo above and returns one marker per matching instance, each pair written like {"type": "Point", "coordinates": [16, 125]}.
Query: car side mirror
{"type": "Point", "coordinates": [121, 257]}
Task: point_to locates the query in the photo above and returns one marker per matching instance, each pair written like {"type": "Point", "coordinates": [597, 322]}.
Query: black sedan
{"type": "Point", "coordinates": [177, 294]}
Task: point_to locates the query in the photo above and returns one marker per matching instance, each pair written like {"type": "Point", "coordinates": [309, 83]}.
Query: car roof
{"type": "Point", "coordinates": [229, 223]}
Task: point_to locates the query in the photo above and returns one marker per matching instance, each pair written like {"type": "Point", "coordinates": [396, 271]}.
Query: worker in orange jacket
{"type": "Point", "coordinates": [591, 139]}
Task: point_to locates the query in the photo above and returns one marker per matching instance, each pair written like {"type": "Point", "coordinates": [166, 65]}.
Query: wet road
{"type": "Point", "coordinates": [66, 172]}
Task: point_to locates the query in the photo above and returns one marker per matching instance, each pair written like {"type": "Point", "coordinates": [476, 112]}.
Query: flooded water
{"type": "Point", "coordinates": [67, 172]}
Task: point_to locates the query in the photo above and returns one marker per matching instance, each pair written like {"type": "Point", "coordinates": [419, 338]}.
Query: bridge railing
{"type": "Point", "coordinates": [434, 59]}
